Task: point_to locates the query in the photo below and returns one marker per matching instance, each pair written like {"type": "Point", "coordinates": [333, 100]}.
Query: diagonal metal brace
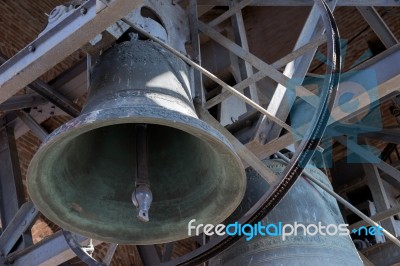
{"type": "Point", "coordinates": [22, 221]}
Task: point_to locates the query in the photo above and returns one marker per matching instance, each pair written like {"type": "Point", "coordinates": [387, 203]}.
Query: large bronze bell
{"type": "Point", "coordinates": [303, 204]}
{"type": "Point", "coordinates": [138, 139]}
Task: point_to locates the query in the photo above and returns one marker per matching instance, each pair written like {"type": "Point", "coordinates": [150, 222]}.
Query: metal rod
{"type": "Point", "coordinates": [211, 76]}
{"type": "Point", "coordinates": [344, 202]}
{"type": "Point", "coordinates": [142, 195]}
{"type": "Point", "coordinates": [141, 154]}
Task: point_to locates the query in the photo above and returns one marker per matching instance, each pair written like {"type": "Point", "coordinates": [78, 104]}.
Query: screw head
{"type": "Point", "coordinates": [83, 11]}
{"type": "Point", "coordinates": [31, 48]}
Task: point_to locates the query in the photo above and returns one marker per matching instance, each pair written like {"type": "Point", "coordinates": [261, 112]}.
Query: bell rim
{"type": "Point", "coordinates": [113, 116]}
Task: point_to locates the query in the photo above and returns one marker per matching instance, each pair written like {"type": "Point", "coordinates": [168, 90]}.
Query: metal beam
{"type": "Point", "coordinates": [269, 70]}
{"type": "Point", "coordinates": [379, 195]}
{"type": "Point", "coordinates": [239, 30]}
{"type": "Point", "coordinates": [302, 3]}
{"type": "Point", "coordinates": [52, 46]}
{"type": "Point", "coordinates": [232, 10]}
{"type": "Point", "coordinates": [49, 93]}
{"type": "Point", "coordinates": [53, 250]}
{"type": "Point", "coordinates": [393, 175]}
{"type": "Point", "coordinates": [391, 135]}
{"type": "Point", "coordinates": [112, 247]}
{"type": "Point", "coordinates": [11, 187]}
{"type": "Point", "coordinates": [55, 97]}
{"type": "Point", "coordinates": [387, 135]}
{"type": "Point", "coordinates": [365, 260]}
{"type": "Point", "coordinates": [22, 101]}
{"type": "Point", "coordinates": [284, 98]}
{"type": "Point", "coordinates": [21, 222]}
{"type": "Point", "coordinates": [383, 254]}
{"type": "Point", "coordinates": [148, 254]}
{"type": "Point", "coordinates": [36, 128]}
{"type": "Point", "coordinates": [72, 84]}
{"type": "Point", "coordinates": [260, 75]}
{"type": "Point", "coordinates": [195, 42]}
{"type": "Point", "coordinates": [167, 251]}
{"type": "Point", "coordinates": [380, 216]}
{"type": "Point", "coordinates": [378, 25]}
{"type": "Point", "coordinates": [388, 79]}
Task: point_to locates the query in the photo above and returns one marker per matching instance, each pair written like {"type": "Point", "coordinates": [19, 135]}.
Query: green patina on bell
{"type": "Point", "coordinates": [83, 176]}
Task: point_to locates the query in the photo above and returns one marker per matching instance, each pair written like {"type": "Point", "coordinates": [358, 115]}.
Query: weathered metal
{"type": "Point", "coordinates": [303, 204]}
{"type": "Point", "coordinates": [82, 177]}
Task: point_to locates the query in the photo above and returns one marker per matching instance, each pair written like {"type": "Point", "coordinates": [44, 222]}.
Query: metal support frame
{"type": "Point", "coordinates": [378, 25]}
{"type": "Point", "coordinates": [391, 135]}
{"type": "Point", "coordinates": [379, 196]}
{"type": "Point", "coordinates": [380, 216]}
{"type": "Point", "coordinates": [53, 250]}
{"type": "Point", "coordinates": [195, 41]}
{"type": "Point", "coordinates": [49, 93]}
{"type": "Point", "coordinates": [110, 253]}
{"type": "Point", "coordinates": [22, 101]}
{"type": "Point", "coordinates": [262, 74]}
{"type": "Point", "coordinates": [149, 255]}
{"type": "Point", "coordinates": [55, 97]}
{"type": "Point", "coordinates": [388, 80]}
{"type": "Point", "coordinates": [50, 48]}
{"type": "Point", "coordinates": [12, 193]}
{"type": "Point", "coordinates": [393, 175]}
{"type": "Point", "coordinates": [36, 128]}
{"type": "Point", "coordinates": [21, 222]}
{"type": "Point", "coordinates": [11, 188]}
{"type": "Point", "coordinates": [283, 98]}
{"type": "Point", "coordinates": [239, 31]}
{"type": "Point", "coordinates": [167, 252]}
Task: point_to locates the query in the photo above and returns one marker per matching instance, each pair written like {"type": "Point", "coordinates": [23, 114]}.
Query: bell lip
{"type": "Point", "coordinates": [124, 115]}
